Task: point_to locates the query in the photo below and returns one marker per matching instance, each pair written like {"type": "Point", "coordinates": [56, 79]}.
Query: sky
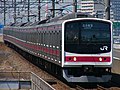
{"type": "Point", "coordinates": [22, 13]}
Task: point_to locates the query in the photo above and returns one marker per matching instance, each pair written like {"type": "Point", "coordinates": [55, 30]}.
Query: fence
{"type": "Point", "coordinates": [23, 80]}
{"type": "Point", "coordinates": [39, 84]}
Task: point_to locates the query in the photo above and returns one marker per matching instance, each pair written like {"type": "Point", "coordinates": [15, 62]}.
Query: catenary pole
{"type": "Point", "coordinates": [39, 16]}
{"type": "Point", "coordinates": [4, 12]}
{"type": "Point", "coordinates": [74, 5]}
{"type": "Point", "coordinates": [107, 9]}
{"type": "Point", "coordinates": [28, 10]}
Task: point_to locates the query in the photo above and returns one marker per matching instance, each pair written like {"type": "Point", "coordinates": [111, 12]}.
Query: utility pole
{"type": "Point", "coordinates": [4, 12]}
{"type": "Point", "coordinates": [75, 6]}
{"type": "Point", "coordinates": [14, 11]}
{"type": "Point", "coordinates": [107, 9]}
{"type": "Point", "coordinates": [12, 3]}
{"type": "Point", "coordinates": [53, 8]}
{"type": "Point", "coordinates": [39, 10]}
{"type": "Point", "coordinates": [28, 10]}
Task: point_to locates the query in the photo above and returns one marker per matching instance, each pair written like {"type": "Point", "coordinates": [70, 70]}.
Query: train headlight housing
{"type": "Point", "coordinates": [100, 59]}
{"type": "Point", "coordinates": [74, 58]}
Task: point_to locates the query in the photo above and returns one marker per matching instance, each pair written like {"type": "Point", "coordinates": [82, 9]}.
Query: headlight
{"type": "Point", "coordinates": [74, 58]}
{"type": "Point", "coordinates": [100, 59]}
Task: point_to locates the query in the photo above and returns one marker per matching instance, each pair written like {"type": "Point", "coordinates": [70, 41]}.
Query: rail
{"type": "Point", "coordinates": [79, 88]}
{"type": "Point", "coordinates": [101, 88]}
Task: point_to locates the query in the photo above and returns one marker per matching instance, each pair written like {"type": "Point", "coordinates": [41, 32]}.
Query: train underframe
{"type": "Point", "coordinates": [74, 74]}
{"type": "Point", "coordinates": [87, 74]}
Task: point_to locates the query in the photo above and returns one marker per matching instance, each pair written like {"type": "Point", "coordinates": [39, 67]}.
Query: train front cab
{"type": "Point", "coordinates": [87, 50]}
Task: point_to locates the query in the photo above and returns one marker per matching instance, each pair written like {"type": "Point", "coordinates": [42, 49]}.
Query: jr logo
{"type": "Point", "coordinates": [104, 48]}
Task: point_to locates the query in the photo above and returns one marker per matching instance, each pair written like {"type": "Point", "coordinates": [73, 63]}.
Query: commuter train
{"type": "Point", "coordinates": [75, 47]}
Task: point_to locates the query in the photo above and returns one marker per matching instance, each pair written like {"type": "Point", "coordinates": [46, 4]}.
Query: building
{"type": "Point", "coordinates": [93, 7]}
{"type": "Point", "coordinates": [86, 6]}
{"type": "Point", "coordinates": [115, 17]}
{"type": "Point", "coordinates": [115, 8]}
{"type": "Point", "coordinates": [99, 9]}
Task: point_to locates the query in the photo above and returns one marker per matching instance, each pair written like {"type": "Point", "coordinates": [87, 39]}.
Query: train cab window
{"type": "Point", "coordinates": [87, 36]}
{"type": "Point", "coordinates": [72, 33]}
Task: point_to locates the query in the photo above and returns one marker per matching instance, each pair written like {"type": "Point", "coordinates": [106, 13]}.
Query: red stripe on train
{"type": "Point", "coordinates": [86, 59]}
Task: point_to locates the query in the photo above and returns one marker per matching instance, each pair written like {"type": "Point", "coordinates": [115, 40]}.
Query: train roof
{"type": "Point", "coordinates": [71, 16]}
{"type": "Point", "coordinates": [39, 22]}
{"type": "Point", "coordinates": [75, 15]}
{"type": "Point", "coordinates": [55, 19]}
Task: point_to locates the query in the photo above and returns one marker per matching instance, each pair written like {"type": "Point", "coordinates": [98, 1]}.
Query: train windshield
{"type": "Point", "coordinates": [87, 37]}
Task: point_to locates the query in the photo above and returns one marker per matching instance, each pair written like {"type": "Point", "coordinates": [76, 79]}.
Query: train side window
{"type": "Point", "coordinates": [32, 36]}
{"type": "Point", "coordinates": [57, 37]}
{"type": "Point", "coordinates": [28, 35]}
{"type": "Point", "coordinates": [49, 38]}
{"type": "Point", "coordinates": [60, 37]}
{"type": "Point", "coordinates": [41, 37]}
{"type": "Point", "coordinates": [56, 41]}
{"type": "Point", "coordinates": [52, 38]}
{"type": "Point", "coordinates": [34, 40]}
{"type": "Point", "coordinates": [45, 37]}
{"type": "Point", "coordinates": [22, 35]}
{"type": "Point", "coordinates": [36, 33]}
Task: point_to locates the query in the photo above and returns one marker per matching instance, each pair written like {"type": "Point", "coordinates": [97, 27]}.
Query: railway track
{"type": "Point", "coordinates": [97, 88]}
{"type": "Point", "coordinates": [114, 84]}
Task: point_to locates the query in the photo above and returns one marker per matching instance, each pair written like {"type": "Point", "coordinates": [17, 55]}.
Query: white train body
{"type": "Point", "coordinates": [87, 43]}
